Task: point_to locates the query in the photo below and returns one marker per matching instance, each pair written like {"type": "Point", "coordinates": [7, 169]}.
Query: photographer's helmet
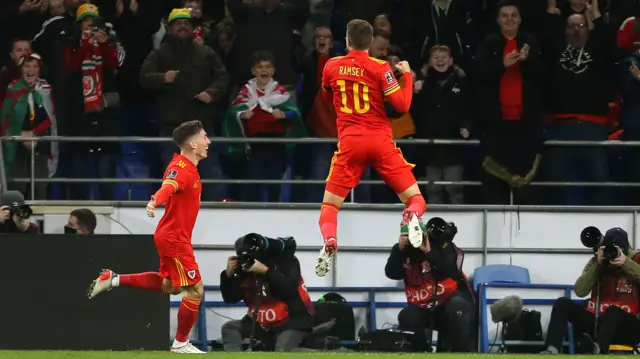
{"type": "Point", "coordinates": [619, 238]}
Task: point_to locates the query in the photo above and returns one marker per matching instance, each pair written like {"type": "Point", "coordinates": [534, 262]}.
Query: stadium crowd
{"type": "Point", "coordinates": [511, 74]}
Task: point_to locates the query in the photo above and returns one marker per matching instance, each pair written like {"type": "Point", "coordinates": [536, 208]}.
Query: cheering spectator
{"type": "Point", "coordinates": [441, 110]}
{"type": "Point", "coordinates": [28, 111]}
{"type": "Point", "coordinates": [267, 25]}
{"type": "Point", "coordinates": [440, 22]}
{"type": "Point", "coordinates": [509, 71]}
{"type": "Point", "coordinates": [188, 78]}
{"type": "Point", "coordinates": [579, 95]}
{"type": "Point", "coordinates": [263, 108]}
{"type": "Point", "coordinates": [319, 114]}
{"type": "Point", "coordinates": [9, 73]}
{"type": "Point", "coordinates": [380, 45]}
{"type": "Point", "coordinates": [90, 58]}
{"type": "Point", "coordinates": [50, 42]}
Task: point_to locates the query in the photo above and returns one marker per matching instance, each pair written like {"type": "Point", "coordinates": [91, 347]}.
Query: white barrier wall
{"type": "Point", "coordinates": [539, 231]}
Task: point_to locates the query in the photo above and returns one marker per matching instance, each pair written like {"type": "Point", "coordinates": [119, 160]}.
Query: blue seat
{"type": "Point", "coordinates": [132, 165]}
{"type": "Point", "coordinates": [491, 274]}
{"type": "Point", "coordinates": [500, 273]}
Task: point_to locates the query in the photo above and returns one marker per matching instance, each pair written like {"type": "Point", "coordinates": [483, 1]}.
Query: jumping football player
{"type": "Point", "coordinates": [181, 190]}
{"type": "Point", "coordinates": [359, 86]}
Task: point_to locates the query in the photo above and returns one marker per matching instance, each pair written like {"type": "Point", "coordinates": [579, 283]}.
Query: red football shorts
{"type": "Point", "coordinates": [183, 270]}
{"type": "Point", "coordinates": [356, 153]}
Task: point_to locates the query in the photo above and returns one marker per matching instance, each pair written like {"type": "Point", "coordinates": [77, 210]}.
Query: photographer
{"type": "Point", "coordinates": [14, 214]}
{"type": "Point", "coordinates": [265, 274]}
{"type": "Point", "coordinates": [611, 312]}
{"type": "Point", "coordinates": [437, 263]}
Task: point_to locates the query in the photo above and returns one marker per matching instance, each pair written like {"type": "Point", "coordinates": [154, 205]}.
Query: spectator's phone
{"type": "Point", "coordinates": [99, 24]}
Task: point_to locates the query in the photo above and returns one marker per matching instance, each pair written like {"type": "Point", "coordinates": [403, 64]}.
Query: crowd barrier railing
{"type": "Point", "coordinates": [371, 304]}
{"type": "Point", "coordinates": [32, 180]}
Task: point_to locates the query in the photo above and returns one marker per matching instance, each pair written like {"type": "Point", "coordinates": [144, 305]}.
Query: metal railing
{"type": "Point", "coordinates": [32, 180]}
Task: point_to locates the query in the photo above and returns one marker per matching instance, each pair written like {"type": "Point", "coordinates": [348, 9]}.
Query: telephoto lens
{"type": "Point", "coordinates": [439, 230]}
{"type": "Point", "coordinates": [591, 237]}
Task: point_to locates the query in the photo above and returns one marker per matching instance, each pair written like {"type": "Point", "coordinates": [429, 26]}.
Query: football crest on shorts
{"type": "Point", "coordinates": [172, 174]}
{"type": "Point", "coordinates": [389, 76]}
{"type": "Point", "coordinates": [192, 274]}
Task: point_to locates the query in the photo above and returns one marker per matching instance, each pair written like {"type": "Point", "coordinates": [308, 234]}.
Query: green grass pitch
{"type": "Point", "coordinates": [223, 355]}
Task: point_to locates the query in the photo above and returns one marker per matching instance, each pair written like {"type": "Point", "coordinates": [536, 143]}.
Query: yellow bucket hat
{"type": "Point", "coordinates": [179, 14]}
{"type": "Point", "coordinates": [86, 10]}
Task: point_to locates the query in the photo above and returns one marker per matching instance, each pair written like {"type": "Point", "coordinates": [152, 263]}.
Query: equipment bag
{"type": "Point", "coordinates": [528, 327]}
{"type": "Point", "coordinates": [332, 306]}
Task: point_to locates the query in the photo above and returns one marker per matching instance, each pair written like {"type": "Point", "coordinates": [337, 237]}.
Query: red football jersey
{"type": "Point", "coordinates": [359, 84]}
{"type": "Point", "coordinates": [173, 234]}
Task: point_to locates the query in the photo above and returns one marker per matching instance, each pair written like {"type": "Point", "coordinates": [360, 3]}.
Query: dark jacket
{"type": "Point", "coordinates": [579, 80]}
{"type": "Point", "coordinates": [489, 68]}
{"type": "Point", "coordinates": [445, 261]}
{"type": "Point", "coordinates": [9, 227]}
{"type": "Point", "coordinates": [135, 31]}
{"type": "Point", "coordinates": [270, 31]}
{"type": "Point", "coordinates": [283, 279]}
{"type": "Point", "coordinates": [439, 111]}
{"type": "Point", "coordinates": [430, 27]}
{"type": "Point", "coordinates": [630, 89]}
{"type": "Point", "coordinates": [200, 70]}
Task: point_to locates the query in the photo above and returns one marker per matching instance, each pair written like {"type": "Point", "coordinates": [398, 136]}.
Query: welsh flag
{"type": "Point", "coordinates": [275, 96]}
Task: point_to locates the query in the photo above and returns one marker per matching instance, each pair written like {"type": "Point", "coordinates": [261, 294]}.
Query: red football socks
{"type": "Point", "coordinates": [328, 220]}
{"type": "Point", "coordinates": [417, 204]}
{"type": "Point", "coordinates": [187, 317]}
{"type": "Point", "coordinates": [147, 280]}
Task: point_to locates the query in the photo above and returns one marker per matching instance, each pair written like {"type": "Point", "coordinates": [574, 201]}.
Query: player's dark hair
{"type": "Point", "coordinates": [381, 33]}
{"type": "Point", "coordinates": [262, 56]}
{"type": "Point", "coordinates": [16, 40]}
{"type": "Point", "coordinates": [505, 3]}
{"type": "Point", "coordinates": [360, 34]}
{"type": "Point", "coordinates": [86, 219]}
{"type": "Point", "coordinates": [185, 131]}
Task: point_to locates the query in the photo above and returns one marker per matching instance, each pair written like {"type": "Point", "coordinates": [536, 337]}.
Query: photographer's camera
{"type": "Point", "coordinates": [614, 240]}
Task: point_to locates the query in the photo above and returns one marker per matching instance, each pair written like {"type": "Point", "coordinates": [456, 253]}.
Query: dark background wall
{"type": "Point", "coordinates": [44, 305]}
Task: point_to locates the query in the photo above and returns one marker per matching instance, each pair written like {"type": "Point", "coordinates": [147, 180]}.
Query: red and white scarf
{"type": "Point", "coordinates": [92, 79]}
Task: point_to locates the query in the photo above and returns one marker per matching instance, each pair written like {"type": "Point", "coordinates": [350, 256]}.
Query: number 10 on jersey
{"type": "Point", "coordinates": [360, 97]}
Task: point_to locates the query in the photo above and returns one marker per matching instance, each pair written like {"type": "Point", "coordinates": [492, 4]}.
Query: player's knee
{"type": "Point", "coordinates": [173, 290]}
{"type": "Point", "coordinates": [195, 291]}
{"type": "Point", "coordinates": [335, 194]}
{"type": "Point", "coordinates": [170, 289]}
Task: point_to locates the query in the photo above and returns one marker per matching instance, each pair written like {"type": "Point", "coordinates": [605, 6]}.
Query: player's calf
{"type": "Point", "coordinates": [187, 316]}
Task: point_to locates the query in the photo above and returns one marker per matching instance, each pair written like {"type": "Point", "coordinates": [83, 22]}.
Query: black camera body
{"type": "Point", "coordinates": [21, 211]}
{"type": "Point", "coordinates": [254, 246]}
{"type": "Point", "coordinates": [440, 231]}
{"type": "Point", "coordinates": [615, 238]}
{"type": "Point", "coordinates": [99, 23]}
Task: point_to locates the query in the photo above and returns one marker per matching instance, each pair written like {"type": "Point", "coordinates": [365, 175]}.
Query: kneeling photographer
{"type": "Point", "coordinates": [15, 214]}
{"type": "Point", "coordinates": [265, 274]}
{"type": "Point", "coordinates": [611, 313]}
{"type": "Point", "coordinates": [436, 264]}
